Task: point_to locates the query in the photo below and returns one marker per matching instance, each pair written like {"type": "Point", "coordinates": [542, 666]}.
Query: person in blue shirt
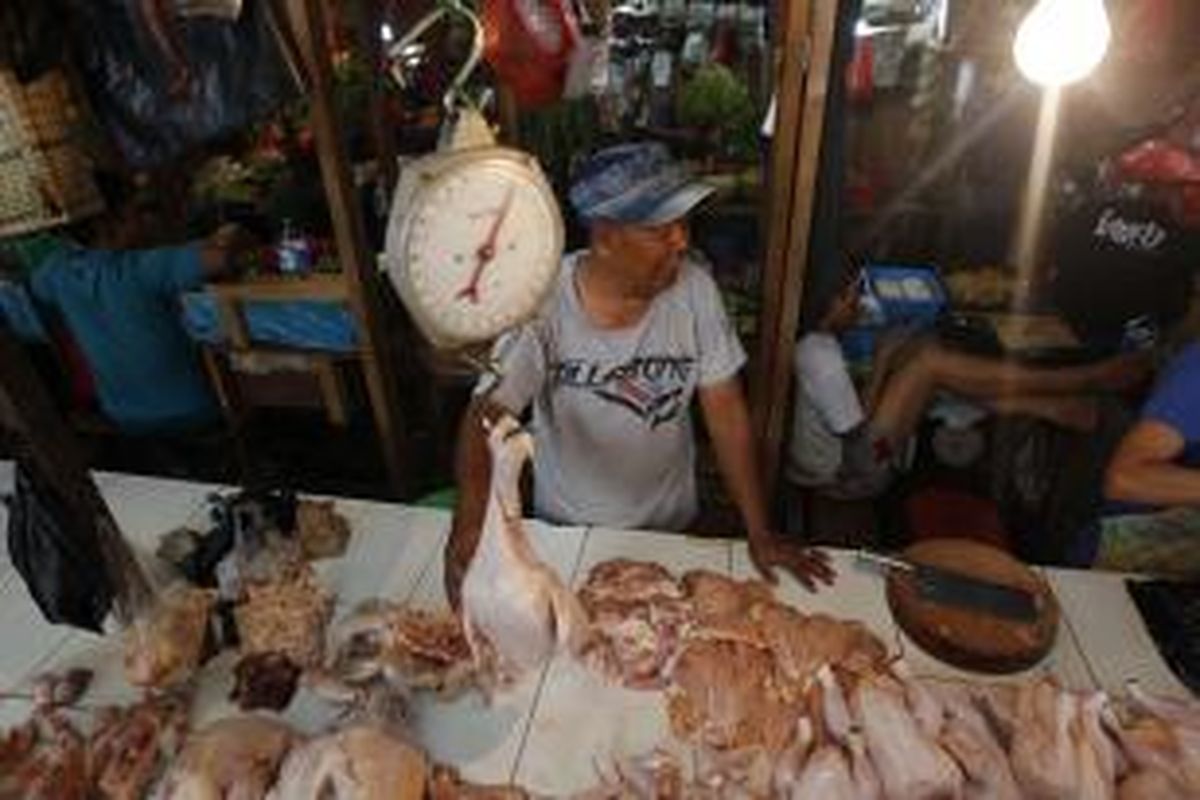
{"type": "Point", "coordinates": [122, 307]}
{"type": "Point", "coordinates": [1155, 476]}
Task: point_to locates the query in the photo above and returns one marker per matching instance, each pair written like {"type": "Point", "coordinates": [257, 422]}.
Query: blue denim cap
{"type": "Point", "coordinates": [635, 183]}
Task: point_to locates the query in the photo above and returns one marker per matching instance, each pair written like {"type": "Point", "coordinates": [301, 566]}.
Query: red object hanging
{"type": "Point", "coordinates": [528, 44]}
{"type": "Point", "coordinates": [860, 72]}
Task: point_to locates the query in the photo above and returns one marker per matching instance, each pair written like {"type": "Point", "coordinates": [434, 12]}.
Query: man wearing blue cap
{"type": "Point", "coordinates": [632, 333]}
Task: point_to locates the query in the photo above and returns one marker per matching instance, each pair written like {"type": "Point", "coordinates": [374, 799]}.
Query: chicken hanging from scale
{"type": "Point", "coordinates": [516, 610]}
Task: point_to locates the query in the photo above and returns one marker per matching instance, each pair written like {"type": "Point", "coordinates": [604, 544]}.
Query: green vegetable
{"type": "Point", "coordinates": [716, 101]}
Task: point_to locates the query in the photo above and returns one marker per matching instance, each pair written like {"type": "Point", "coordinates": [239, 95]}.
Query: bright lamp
{"type": "Point", "coordinates": [1061, 41]}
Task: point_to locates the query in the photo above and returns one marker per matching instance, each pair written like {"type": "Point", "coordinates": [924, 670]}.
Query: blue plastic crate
{"type": "Point", "coordinates": [904, 294]}
{"type": "Point", "coordinates": [307, 324]}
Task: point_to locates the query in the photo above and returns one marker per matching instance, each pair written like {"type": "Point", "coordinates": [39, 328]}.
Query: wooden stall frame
{"type": "Point", "coordinates": [808, 32]}
{"type": "Point", "coordinates": [354, 256]}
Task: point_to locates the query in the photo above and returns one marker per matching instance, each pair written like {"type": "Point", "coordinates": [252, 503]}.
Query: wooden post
{"type": "Point", "coordinates": [369, 19]}
{"type": "Point", "coordinates": [793, 50]}
{"type": "Point", "coordinates": [809, 31]}
{"type": "Point", "coordinates": [357, 262]}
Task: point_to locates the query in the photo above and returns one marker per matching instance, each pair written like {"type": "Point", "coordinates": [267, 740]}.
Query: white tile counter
{"type": "Point", "coordinates": [550, 731]}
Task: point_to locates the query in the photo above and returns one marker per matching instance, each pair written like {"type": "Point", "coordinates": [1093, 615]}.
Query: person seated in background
{"type": "Point", "coordinates": [846, 444]}
{"type": "Point", "coordinates": [1154, 477]}
{"type": "Point", "coordinates": [633, 332]}
{"type": "Point", "coordinates": [121, 306]}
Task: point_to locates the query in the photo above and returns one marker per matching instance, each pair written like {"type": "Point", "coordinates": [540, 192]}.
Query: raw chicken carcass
{"type": "Point", "coordinates": [835, 713]}
{"type": "Point", "coordinates": [826, 776]}
{"type": "Point", "coordinates": [516, 611]}
{"type": "Point", "coordinates": [446, 784]}
{"type": "Point", "coordinates": [656, 775]}
{"type": "Point", "coordinates": [163, 646]}
{"type": "Point", "coordinates": [1153, 745]}
{"type": "Point", "coordinates": [321, 530]}
{"type": "Point", "coordinates": [1043, 753]}
{"type": "Point", "coordinates": [968, 738]}
{"type": "Point", "coordinates": [638, 616]}
{"type": "Point", "coordinates": [127, 745]}
{"type": "Point", "coordinates": [732, 773]}
{"type": "Point", "coordinates": [359, 763]}
{"type": "Point", "coordinates": [44, 759]}
{"type": "Point", "coordinates": [1184, 713]}
{"type": "Point", "coordinates": [724, 695]}
{"type": "Point", "coordinates": [789, 765]}
{"type": "Point", "coordinates": [802, 643]}
{"type": "Point", "coordinates": [1151, 785]}
{"type": "Point", "coordinates": [867, 785]}
{"type": "Point", "coordinates": [722, 605]}
{"type": "Point", "coordinates": [51, 689]}
{"type": "Point", "coordinates": [926, 708]}
{"type": "Point", "coordinates": [910, 765]}
{"type": "Point", "coordinates": [1094, 752]}
{"type": "Point", "coordinates": [285, 614]}
{"type": "Point", "coordinates": [236, 757]}
{"type": "Point", "coordinates": [407, 646]}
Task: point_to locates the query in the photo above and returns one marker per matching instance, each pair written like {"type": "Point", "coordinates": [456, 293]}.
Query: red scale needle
{"type": "Point", "coordinates": [486, 250]}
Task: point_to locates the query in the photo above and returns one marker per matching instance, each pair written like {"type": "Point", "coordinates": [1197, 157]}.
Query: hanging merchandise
{"type": "Point", "coordinates": [700, 18]}
{"type": "Point", "coordinates": [45, 176]}
{"type": "Point", "coordinates": [475, 234]}
{"type": "Point", "coordinates": [529, 45]}
{"type": "Point", "coordinates": [161, 82]}
{"type": "Point", "coordinates": [587, 70]}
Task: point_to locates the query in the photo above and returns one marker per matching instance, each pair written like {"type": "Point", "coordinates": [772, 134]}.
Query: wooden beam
{"type": "Point", "coordinates": [354, 256]}
{"type": "Point", "coordinates": [370, 17]}
{"type": "Point", "coordinates": [808, 42]}
{"type": "Point", "coordinates": [792, 52]}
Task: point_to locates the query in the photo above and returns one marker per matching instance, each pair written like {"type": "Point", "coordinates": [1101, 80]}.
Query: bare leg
{"type": "Point", "coordinates": [895, 347]}
{"type": "Point", "coordinates": [1073, 413]}
{"type": "Point", "coordinates": [907, 394]}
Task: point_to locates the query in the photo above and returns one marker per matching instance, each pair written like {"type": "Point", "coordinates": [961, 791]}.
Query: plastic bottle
{"type": "Point", "coordinates": [293, 251]}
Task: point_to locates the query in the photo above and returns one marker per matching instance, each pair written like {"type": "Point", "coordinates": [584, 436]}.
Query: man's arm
{"type": "Point", "coordinates": [1143, 470]}
{"type": "Point", "coordinates": [218, 252]}
{"type": "Point", "coordinates": [728, 420]}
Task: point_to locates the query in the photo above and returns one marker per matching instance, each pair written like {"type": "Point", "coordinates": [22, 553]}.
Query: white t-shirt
{"type": "Point", "coordinates": [827, 408]}
{"type": "Point", "coordinates": [611, 408]}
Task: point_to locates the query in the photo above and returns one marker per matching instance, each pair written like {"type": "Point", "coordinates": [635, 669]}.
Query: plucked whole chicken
{"type": "Point", "coordinates": [236, 757]}
{"type": "Point", "coordinates": [363, 762]}
{"type": "Point", "coordinates": [516, 610]}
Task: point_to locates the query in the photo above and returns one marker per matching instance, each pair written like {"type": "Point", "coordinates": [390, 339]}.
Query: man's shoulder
{"type": "Point", "coordinates": [696, 273]}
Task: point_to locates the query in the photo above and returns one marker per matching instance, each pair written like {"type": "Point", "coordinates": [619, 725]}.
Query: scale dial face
{"type": "Point", "coordinates": [482, 247]}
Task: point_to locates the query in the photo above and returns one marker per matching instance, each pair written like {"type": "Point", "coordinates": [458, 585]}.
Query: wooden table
{"type": "Point", "coordinates": [549, 731]}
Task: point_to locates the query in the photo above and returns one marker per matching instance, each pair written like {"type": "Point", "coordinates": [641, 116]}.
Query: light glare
{"type": "Point", "coordinates": [1062, 41]}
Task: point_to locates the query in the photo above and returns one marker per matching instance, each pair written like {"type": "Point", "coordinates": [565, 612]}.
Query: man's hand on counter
{"type": "Point", "coordinates": [808, 565]}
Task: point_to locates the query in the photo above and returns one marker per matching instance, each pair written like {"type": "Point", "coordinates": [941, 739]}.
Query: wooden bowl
{"type": "Point", "coordinates": [964, 637]}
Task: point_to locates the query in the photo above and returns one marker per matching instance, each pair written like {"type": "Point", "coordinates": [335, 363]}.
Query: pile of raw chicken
{"type": "Point", "coordinates": [775, 703]}
{"type": "Point", "coordinates": [763, 701]}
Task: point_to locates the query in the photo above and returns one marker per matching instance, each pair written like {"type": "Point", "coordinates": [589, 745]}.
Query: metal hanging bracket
{"type": "Point", "coordinates": [445, 8]}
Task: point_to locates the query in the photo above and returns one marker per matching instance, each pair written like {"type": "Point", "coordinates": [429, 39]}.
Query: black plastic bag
{"type": "Point", "coordinates": [238, 75]}
{"type": "Point", "coordinates": [57, 554]}
{"type": "Point", "coordinates": [31, 41]}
